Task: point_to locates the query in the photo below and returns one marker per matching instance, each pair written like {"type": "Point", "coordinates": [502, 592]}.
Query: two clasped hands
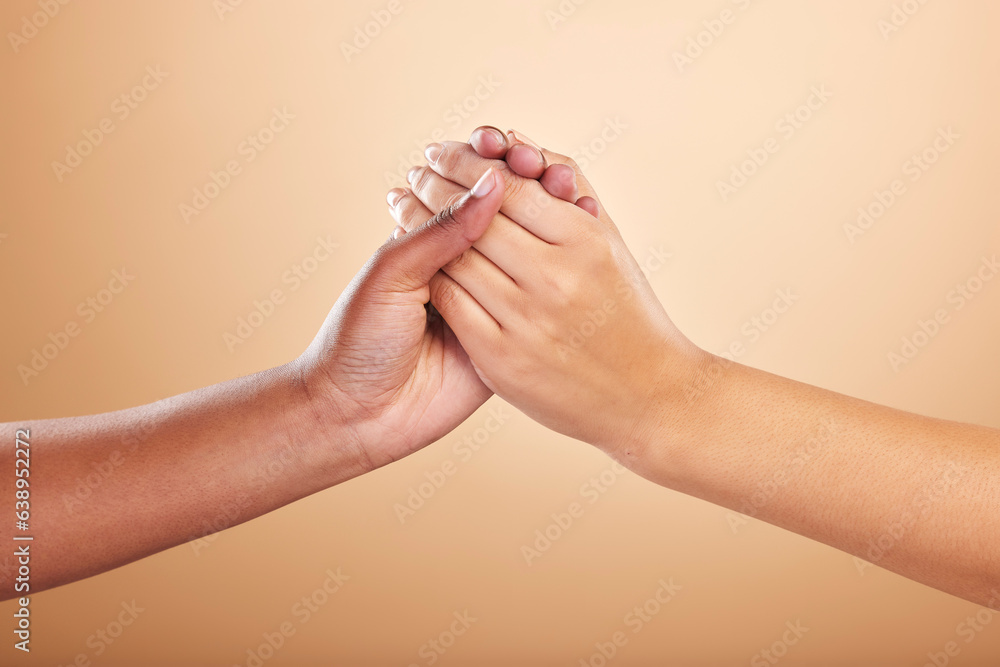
{"type": "Point", "coordinates": [534, 296]}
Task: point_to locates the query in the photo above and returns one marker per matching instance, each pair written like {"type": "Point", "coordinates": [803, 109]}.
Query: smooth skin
{"type": "Point", "coordinates": [916, 495]}
{"type": "Point", "coordinates": [383, 378]}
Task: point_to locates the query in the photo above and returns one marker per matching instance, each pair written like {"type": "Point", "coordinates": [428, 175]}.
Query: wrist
{"type": "Point", "coordinates": [675, 389]}
{"type": "Point", "coordinates": [324, 424]}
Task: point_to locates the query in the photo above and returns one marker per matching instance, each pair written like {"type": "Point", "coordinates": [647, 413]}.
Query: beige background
{"type": "Point", "coordinates": [326, 175]}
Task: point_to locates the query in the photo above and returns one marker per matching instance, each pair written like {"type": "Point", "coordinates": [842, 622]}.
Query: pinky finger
{"type": "Point", "coordinates": [590, 205]}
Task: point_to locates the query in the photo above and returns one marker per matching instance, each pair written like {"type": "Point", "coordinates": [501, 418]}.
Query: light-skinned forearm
{"type": "Point", "coordinates": [916, 495]}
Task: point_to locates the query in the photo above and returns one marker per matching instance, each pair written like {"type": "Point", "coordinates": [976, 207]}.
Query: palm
{"type": "Point", "coordinates": [403, 367]}
{"type": "Point", "coordinates": [440, 391]}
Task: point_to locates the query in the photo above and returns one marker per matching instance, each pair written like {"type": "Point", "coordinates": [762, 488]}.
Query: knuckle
{"type": "Point", "coordinates": [572, 287]}
{"type": "Point", "coordinates": [505, 169]}
{"type": "Point", "coordinates": [422, 180]}
{"type": "Point", "coordinates": [600, 253]}
{"type": "Point", "coordinates": [461, 263]}
{"type": "Point", "coordinates": [448, 160]}
{"type": "Point", "coordinates": [444, 295]}
{"type": "Point", "coordinates": [408, 210]}
{"type": "Point", "coordinates": [452, 201]}
{"type": "Point", "coordinates": [551, 329]}
{"type": "Point", "coordinates": [514, 185]}
{"type": "Point", "coordinates": [561, 283]}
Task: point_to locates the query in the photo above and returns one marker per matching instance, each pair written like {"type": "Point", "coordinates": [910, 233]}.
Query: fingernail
{"type": "Point", "coordinates": [518, 137]}
{"type": "Point", "coordinates": [397, 232]}
{"type": "Point", "coordinates": [485, 184]}
{"type": "Point", "coordinates": [433, 152]}
{"type": "Point", "coordinates": [393, 197]}
{"type": "Point", "coordinates": [411, 175]}
{"type": "Point", "coordinates": [534, 151]}
{"type": "Point", "coordinates": [498, 135]}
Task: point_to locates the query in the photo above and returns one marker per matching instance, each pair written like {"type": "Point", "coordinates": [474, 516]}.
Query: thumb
{"type": "Point", "coordinates": [415, 257]}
